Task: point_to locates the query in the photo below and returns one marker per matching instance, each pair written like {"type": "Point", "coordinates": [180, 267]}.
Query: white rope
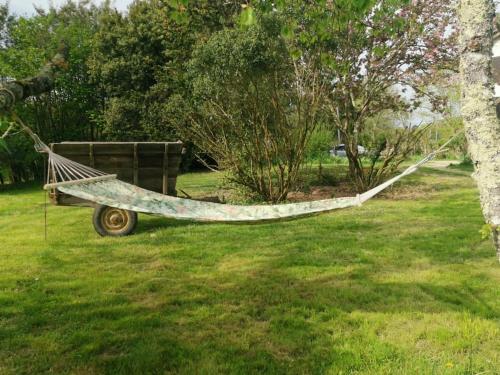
{"type": "Point", "coordinates": [411, 169]}
{"type": "Point", "coordinates": [4, 135]}
{"type": "Point", "coordinates": [75, 174]}
{"type": "Point", "coordinates": [69, 170]}
{"type": "Point", "coordinates": [68, 166]}
{"type": "Point", "coordinates": [80, 167]}
{"type": "Point", "coordinates": [58, 169]}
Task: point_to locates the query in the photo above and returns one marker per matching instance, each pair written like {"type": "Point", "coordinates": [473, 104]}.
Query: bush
{"type": "Point", "coordinates": [319, 145]}
{"type": "Point", "coordinates": [255, 108]}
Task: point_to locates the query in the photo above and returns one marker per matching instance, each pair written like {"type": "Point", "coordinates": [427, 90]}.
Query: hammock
{"type": "Point", "coordinates": [93, 185]}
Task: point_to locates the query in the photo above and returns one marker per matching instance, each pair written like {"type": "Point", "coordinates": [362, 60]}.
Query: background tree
{"type": "Point", "coordinates": [67, 113]}
{"type": "Point", "coordinates": [139, 61]}
{"type": "Point", "coordinates": [478, 107]}
{"type": "Point", "coordinates": [254, 107]}
{"type": "Point", "coordinates": [376, 56]}
{"type": "Point", "coordinates": [389, 47]}
{"type": "Point", "coordinates": [389, 140]}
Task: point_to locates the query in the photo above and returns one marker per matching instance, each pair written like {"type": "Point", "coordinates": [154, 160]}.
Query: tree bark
{"type": "Point", "coordinates": [478, 106]}
{"type": "Point", "coordinates": [15, 91]}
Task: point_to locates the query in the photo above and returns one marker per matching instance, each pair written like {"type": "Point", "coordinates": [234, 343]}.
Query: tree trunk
{"type": "Point", "coordinates": [13, 92]}
{"type": "Point", "coordinates": [478, 107]}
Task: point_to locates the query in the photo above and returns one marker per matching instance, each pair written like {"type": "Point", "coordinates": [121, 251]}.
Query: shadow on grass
{"type": "Point", "coordinates": [448, 171]}
{"type": "Point", "coordinates": [20, 188]}
{"type": "Point", "coordinates": [269, 298]}
{"type": "Point", "coordinates": [265, 320]}
{"type": "Point", "coordinates": [149, 223]}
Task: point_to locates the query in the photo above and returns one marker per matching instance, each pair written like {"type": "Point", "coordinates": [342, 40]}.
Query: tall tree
{"type": "Point", "coordinates": [377, 56]}
{"type": "Point", "coordinates": [372, 53]}
{"type": "Point", "coordinates": [254, 106]}
{"type": "Point", "coordinates": [67, 113]}
{"type": "Point", "coordinates": [478, 108]}
{"type": "Point", "coordinates": [139, 59]}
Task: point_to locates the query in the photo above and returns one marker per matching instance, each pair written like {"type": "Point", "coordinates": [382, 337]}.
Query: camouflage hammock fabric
{"type": "Point", "coordinates": [119, 194]}
{"type": "Point", "coordinates": [96, 186]}
{"type": "Point", "coordinates": [115, 193]}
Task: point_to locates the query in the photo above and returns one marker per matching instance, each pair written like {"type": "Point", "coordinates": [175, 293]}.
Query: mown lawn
{"type": "Point", "coordinates": [401, 286]}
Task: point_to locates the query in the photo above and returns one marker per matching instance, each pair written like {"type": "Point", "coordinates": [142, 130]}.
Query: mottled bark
{"type": "Point", "coordinates": [16, 91]}
{"type": "Point", "coordinates": [478, 105]}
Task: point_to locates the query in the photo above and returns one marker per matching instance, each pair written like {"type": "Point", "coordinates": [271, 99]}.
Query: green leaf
{"type": "Point", "coordinates": [179, 17]}
{"type": "Point", "coordinates": [485, 231]}
{"type": "Point", "coordinates": [287, 32]}
{"type": "Point", "coordinates": [327, 59]}
{"type": "Point", "coordinates": [178, 12]}
{"type": "Point", "coordinates": [247, 16]}
{"type": "Point", "coordinates": [3, 145]}
{"type": "Point", "coordinates": [296, 54]}
{"type": "Point", "coordinates": [361, 4]}
{"type": "Point", "coordinates": [379, 51]}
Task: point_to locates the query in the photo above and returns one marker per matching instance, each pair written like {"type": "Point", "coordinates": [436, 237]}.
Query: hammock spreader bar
{"type": "Point", "coordinates": [81, 181]}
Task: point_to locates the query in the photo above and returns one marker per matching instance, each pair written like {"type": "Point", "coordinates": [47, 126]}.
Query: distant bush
{"type": "Point", "coordinates": [319, 145]}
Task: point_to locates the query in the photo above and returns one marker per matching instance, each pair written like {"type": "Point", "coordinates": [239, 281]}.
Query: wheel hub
{"type": "Point", "coordinates": [114, 219]}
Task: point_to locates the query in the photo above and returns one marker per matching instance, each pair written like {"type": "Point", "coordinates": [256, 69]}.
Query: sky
{"type": "Point", "coordinates": [25, 7]}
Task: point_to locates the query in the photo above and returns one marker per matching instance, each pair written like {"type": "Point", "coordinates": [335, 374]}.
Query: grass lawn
{"type": "Point", "coordinates": [400, 286]}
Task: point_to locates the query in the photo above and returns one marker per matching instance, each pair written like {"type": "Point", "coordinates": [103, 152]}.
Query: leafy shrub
{"type": "Point", "coordinates": [319, 145]}
{"type": "Point", "coordinates": [255, 107]}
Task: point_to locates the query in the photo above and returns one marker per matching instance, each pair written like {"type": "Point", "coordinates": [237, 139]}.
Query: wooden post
{"type": "Point", "coordinates": [136, 165]}
{"type": "Point", "coordinates": [54, 193]}
{"type": "Point", "coordinates": [91, 155]}
{"type": "Point", "coordinates": [165, 170]}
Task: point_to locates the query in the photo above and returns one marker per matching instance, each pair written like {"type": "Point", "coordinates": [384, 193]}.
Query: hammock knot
{"type": "Point", "coordinates": [359, 202]}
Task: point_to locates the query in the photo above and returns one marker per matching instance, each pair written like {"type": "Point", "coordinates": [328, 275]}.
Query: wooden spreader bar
{"type": "Point", "coordinates": [80, 181]}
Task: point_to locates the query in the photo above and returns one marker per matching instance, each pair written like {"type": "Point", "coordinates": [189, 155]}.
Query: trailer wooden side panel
{"type": "Point", "coordinates": [150, 165]}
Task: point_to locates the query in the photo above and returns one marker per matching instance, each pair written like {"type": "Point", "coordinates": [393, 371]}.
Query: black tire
{"type": "Point", "coordinates": [114, 222]}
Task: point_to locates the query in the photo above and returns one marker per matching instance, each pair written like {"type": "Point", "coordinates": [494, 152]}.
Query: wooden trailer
{"type": "Point", "coordinates": [150, 165]}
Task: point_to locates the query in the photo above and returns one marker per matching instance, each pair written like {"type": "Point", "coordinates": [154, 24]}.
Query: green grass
{"type": "Point", "coordinates": [400, 286]}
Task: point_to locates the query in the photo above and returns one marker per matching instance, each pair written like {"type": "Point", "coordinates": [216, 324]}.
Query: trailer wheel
{"type": "Point", "coordinates": [115, 222]}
